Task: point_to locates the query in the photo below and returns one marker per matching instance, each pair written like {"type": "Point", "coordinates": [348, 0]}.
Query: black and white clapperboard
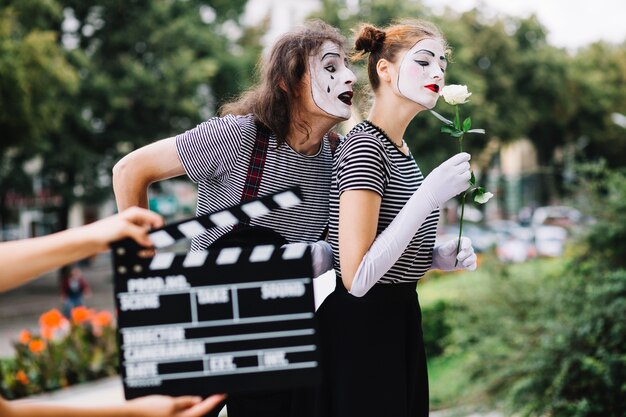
{"type": "Point", "coordinates": [224, 320]}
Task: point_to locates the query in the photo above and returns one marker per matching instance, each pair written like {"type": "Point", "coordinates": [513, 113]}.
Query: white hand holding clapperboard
{"type": "Point", "coordinates": [224, 320]}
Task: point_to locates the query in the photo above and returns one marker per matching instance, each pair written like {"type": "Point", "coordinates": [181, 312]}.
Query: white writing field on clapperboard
{"type": "Point", "coordinates": [224, 320]}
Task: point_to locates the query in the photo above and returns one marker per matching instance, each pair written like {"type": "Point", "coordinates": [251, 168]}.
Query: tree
{"type": "Point", "coordinates": [147, 70]}
{"type": "Point", "coordinates": [598, 71]}
{"type": "Point", "coordinates": [36, 81]}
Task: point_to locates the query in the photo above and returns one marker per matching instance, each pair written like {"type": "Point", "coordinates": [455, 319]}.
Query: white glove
{"type": "Point", "coordinates": [321, 255]}
{"type": "Point", "coordinates": [444, 256]}
{"type": "Point", "coordinates": [444, 182]}
{"type": "Point", "coordinates": [447, 180]}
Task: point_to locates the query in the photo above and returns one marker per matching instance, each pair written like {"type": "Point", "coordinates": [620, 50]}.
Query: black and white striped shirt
{"type": "Point", "coordinates": [216, 155]}
{"type": "Point", "coordinates": [368, 160]}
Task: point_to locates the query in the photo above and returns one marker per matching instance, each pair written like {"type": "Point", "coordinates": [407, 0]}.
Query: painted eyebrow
{"type": "Point", "coordinates": [330, 53]}
{"type": "Point", "coordinates": [431, 53]}
{"type": "Point", "coordinates": [443, 58]}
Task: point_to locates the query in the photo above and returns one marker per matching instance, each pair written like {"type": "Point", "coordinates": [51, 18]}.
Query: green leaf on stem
{"type": "Point", "coordinates": [473, 179]}
{"type": "Point", "coordinates": [467, 124]}
{"type": "Point", "coordinates": [477, 193]}
{"type": "Point", "coordinates": [448, 129]}
{"type": "Point", "coordinates": [457, 134]}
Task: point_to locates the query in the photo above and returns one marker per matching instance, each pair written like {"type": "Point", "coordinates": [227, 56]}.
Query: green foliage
{"type": "Point", "coordinates": [602, 193]}
{"type": "Point", "coordinates": [435, 327]}
{"type": "Point", "coordinates": [34, 77]}
{"type": "Point", "coordinates": [551, 341]}
{"type": "Point", "coordinates": [597, 74]}
{"type": "Point", "coordinates": [463, 374]}
{"type": "Point", "coordinates": [37, 84]}
{"type": "Point", "coordinates": [449, 384]}
{"type": "Point", "coordinates": [579, 366]}
{"type": "Point", "coordinates": [82, 83]}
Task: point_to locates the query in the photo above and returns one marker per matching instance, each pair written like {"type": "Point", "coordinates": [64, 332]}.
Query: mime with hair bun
{"type": "Point", "coordinates": [383, 221]}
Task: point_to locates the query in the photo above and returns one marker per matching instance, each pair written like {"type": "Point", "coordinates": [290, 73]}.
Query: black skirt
{"type": "Point", "coordinates": [373, 355]}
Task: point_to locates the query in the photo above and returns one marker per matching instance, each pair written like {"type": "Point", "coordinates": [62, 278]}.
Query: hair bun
{"type": "Point", "coordinates": [370, 39]}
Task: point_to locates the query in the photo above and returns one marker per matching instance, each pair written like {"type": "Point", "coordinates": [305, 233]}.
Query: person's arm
{"type": "Point", "coordinates": [133, 174]}
{"type": "Point", "coordinates": [367, 264]}
{"type": "Point", "coordinates": [358, 220]}
{"type": "Point", "coordinates": [151, 406]}
{"type": "Point", "coordinates": [25, 259]}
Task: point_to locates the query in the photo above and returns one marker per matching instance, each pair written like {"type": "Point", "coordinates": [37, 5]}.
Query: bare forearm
{"type": "Point", "coordinates": [22, 409]}
{"type": "Point", "coordinates": [128, 188]}
{"type": "Point", "coordinates": [150, 406]}
{"type": "Point", "coordinates": [23, 260]}
{"type": "Point", "coordinates": [134, 173]}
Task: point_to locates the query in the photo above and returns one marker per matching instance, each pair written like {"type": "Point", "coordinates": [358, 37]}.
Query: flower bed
{"type": "Point", "coordinates": [62, 353]}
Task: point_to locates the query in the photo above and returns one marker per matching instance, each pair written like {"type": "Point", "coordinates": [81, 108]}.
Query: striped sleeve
{"type": "Point", "coordinates": [362, 165]}
{"type": "Point", "coordinates": [209, 149]}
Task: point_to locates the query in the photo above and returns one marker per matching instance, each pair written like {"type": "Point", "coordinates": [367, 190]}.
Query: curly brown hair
{"type": "Point", "coordinates": [274, 99]}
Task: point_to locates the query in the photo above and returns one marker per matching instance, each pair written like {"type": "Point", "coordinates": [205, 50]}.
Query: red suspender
{"type": "Point", "coordinates": [257, 162]}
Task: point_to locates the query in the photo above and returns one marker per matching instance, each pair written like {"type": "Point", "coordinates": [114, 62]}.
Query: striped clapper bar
{"type": "Point", "coordinates": [228, 320]}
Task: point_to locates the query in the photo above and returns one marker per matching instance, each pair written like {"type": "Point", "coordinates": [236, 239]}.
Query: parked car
{"type": "Point", "coordinates": [556, 216]}
{"type": "Point", "coordinates": [514, 250]}
{"type": "Point", "coordinates": [550, 240]}
{"type": "Point", "coordinates": [514, 242]}
{"type": "Point", "coordinates": [483, 238]}
{"type": "Point", "coordinates": [10, 233]}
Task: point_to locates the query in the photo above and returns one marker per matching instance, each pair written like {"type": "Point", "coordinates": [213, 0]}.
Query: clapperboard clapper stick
{"type": "Point", "coordinates": [224, 320]}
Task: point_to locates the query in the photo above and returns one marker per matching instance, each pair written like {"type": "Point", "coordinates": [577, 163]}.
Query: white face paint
{"type": "Point", "coordinates": [331, 81]}
{"type": "Point", "coordinates": [421, 72]}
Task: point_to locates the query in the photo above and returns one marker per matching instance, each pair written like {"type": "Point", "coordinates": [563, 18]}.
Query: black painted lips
{"type": "Point", "coordinates": [346, 97]}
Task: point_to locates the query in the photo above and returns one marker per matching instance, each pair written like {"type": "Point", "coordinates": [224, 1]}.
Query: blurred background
{"type": "Point", "coordinates": [539, 330]}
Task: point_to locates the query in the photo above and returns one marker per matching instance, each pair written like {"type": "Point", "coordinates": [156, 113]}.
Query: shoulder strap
{"type": "Point", "coordinates": [257, 162]}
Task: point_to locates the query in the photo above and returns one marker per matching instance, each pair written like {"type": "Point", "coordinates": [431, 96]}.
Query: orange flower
{"type": "Point", "coordinates": [25, 337]}
{"type": "Point", "coordinates": [37, 346]}
{"type": "Point", "coordinates": [53, 319]}
{"type": "Point", "coordinates": [81, 314]}
{"type": "Point", "coordinates": [22, 377]}
{"type": "Point", "coordinates": [47, 332]}
{"type": "Point", "coordinates": [52, 324]}
{"type": "Point", "coordinates": [102, 319]}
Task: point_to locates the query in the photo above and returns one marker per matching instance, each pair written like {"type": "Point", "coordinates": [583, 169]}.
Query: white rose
{"type": "Point", "coordinates": [455, 94]}
{"type": "Point", "coordinates": [483, 198]}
